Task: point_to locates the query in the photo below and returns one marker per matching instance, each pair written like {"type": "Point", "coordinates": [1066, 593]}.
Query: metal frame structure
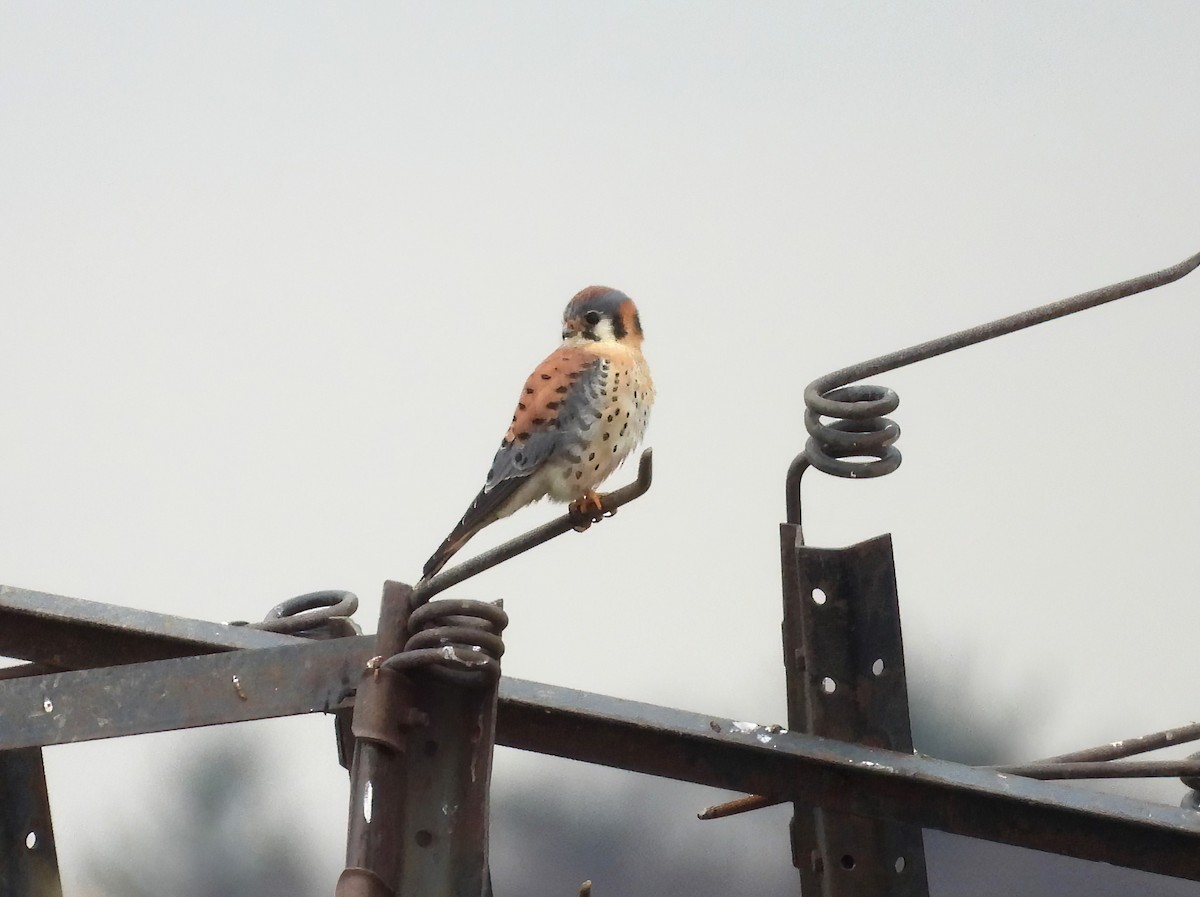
{"type": "Point", "coordinates": [419, 706]}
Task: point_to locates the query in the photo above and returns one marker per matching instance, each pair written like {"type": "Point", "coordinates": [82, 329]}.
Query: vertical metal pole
{"type": "Point", "coordinates": [844, 657]}
{"type": "Point", "coordinates": [28, 860]}
{"type": "Point", "coordinates": [422, 764]}
{"type": "Point", "coordinates": [382, 706]}
{"type": "Point", "coordinates": [449, 776]}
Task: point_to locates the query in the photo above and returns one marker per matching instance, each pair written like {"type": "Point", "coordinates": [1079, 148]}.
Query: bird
{"type": "Point", "coordinates": [580, 414]}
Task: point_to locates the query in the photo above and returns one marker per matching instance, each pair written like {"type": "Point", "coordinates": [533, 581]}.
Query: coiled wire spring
{"type": "Point", "coordinates": [319, 615]}
{"type": "Point", "coordinates": [857, 441]}
{"type": "Point", "coordinates": [459, 637]}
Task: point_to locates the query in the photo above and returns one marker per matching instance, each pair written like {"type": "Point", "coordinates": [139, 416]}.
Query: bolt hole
{"type": "Point", "coordinates": [31, 841]}
{"type": "Point", "coordinates": [847, 861]}
{"type": "Point", "coordinates": [424, 838]}
{"type": "Point", "coordinates": [877, 667]}
{"type": "Point", "coordinates": [819, 596]}
{"type": "Point", "coordinates": [48, 705]}
{"type": "Point", "coordinates": [828, 686]}
{"type": "Point", "coordinates": [899, 864]}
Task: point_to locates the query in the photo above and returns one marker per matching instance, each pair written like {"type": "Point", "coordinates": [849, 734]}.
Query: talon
{"type": "Point", "coordinates": [588, 509]}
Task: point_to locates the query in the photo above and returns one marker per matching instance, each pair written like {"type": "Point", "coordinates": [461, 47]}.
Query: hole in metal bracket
{"type": "Point", "coordinates": [819, 596]}
{"type": "Point", "coordinates": [828, 686]}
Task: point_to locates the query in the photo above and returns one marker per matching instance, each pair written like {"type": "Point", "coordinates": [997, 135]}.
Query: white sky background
{"type": "Point", "coordinates": [272, 277]}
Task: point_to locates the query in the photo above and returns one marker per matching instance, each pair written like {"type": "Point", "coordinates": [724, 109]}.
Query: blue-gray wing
{"type": "Point", "coordinates": [559, 402]}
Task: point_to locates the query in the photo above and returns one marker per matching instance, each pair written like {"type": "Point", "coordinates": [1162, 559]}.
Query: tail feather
{"type": "Point", "coordinates": [488, 507]}
{"type": "Point", "coordinates": [448, 549]}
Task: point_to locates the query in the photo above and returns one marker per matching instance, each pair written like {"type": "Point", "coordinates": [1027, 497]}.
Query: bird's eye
{"type": "Point", "coordinates": [592, 317]}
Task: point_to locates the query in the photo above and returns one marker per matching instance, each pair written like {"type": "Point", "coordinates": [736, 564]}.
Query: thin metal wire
{"type": "Point", "coordinates": [1087, 763]}
{"type": "Point", "coordinates": [1104, 769]}
{"type": "Point", "coordinates": [427, 588]}
{"type": "Point", "coordinates": [814, 394]}
{"type": "Point", "coordinates": [1127, 747]}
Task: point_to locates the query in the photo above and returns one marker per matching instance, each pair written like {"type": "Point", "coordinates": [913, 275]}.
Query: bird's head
{"type": "Point", "coordinates": [601, 314]}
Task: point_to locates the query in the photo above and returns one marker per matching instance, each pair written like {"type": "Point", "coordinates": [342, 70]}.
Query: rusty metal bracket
{"type": "Point", "coordinates": [844, 661]}
{"type": "Point", "coordinates": [444, 835]}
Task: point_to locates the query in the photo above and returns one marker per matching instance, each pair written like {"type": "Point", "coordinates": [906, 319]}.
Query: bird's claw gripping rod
{"type": "Point", "coordinates": [427, 588]}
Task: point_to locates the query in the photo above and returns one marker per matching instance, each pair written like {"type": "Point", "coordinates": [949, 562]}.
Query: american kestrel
{"type": "Point", "coordinates": [581, 412]}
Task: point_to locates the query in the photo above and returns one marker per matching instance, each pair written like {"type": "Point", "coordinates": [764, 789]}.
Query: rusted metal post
{"type": "Point", "coordinates": [383, 705]}
{"type": "Point", "coordinates": [424, 728]}
{"type": "Point", "coordinates": [28, 861]}
{"type": "Point", "coordinates": [844, 657]}
{"type": "Point", "coordinates": [445, 839]}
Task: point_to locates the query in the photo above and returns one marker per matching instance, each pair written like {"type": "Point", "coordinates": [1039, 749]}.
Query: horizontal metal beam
{"type": "Point", "coordinates": [234, 686]}
{"type": "Point", "coordinates": [851, 778]}
{"type": "Point", "coordinates": [74, 634]}
{"type": "Point", "coordinates": [305, 677]}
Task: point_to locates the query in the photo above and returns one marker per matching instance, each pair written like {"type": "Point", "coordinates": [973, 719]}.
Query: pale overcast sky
{"type": "Point", "coordinates": [273, 275]}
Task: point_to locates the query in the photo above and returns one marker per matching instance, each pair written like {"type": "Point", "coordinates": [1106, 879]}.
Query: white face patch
{"type": "Point", "coordinates": [604, 330]}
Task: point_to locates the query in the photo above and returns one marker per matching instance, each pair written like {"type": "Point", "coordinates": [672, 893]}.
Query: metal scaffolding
{"type": "Point", "coordinates": [419, 706]}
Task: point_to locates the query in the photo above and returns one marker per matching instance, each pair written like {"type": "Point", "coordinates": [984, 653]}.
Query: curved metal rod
{"type": "Point", "coordinates": [969, 337]}
{"type": "Point", "coordinates": [310, 611]}
{"type": "Point", "coordinates": [427, 588]}
{"type": "Point", "coordinates": [815, 393]}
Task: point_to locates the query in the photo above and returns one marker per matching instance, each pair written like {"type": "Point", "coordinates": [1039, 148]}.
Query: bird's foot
{"type": "Point", "coordinates": [587, 510]}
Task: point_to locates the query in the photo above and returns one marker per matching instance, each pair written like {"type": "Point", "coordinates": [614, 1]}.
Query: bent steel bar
{"type": "Point", "coordinates": [71, 633]}
{"type": "Point", "coordinates": [859, 428]}
{"type": "Point", "coordinates": [611, 501]}
{"type": "Point", "coordinates": [815, 391]}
